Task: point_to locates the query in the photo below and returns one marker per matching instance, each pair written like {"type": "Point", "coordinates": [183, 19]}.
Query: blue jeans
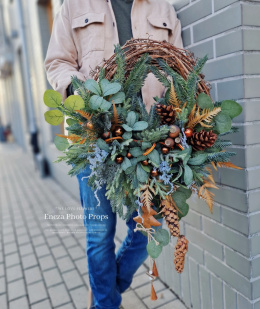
{"type": "Point", "coordinates": [110, 273]}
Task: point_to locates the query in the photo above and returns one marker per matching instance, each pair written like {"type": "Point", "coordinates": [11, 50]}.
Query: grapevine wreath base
{"type": "Point", "coordinates": [149, 162]}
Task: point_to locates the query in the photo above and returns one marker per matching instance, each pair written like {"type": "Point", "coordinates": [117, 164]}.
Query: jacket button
{"type": "Point", "coordinates": [164, 24]}
{"type": "Point", "coordinates": [86, 20]}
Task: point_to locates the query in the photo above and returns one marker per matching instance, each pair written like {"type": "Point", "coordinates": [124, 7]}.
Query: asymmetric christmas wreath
{"type": "Point", "coordinates": [149, 162]}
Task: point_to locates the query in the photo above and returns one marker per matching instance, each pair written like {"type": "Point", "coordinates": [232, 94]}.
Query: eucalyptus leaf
{"type": "Point", "coordinates": [131, 119]}
{"type": "Point", "coordinates": [146, 145]}
{"type": "Point", "coordinates": [71, 121]}
{"type": "Point", "coordinates": [183, 210]}
{"type": "Point", "coordinates": [130, 170]}
{"type": "Point", "coordinates": [154, 157]}
{"type": "Point", "coordinates": [223, 122]}
{"type": "Point", "coordinates": [102, 145]}
{"type": "Point", "coordinates": [74, 102]}
{"type": "Point", "coordinates": [127, 135]}
{"type": "Point", "coordinates": [127, 128]}
{"type": "Point", "coordinates": [162, 236]}
{"type": "Point", "coordinates": [105, 105]}
{"type": "Point", "coordinates": [52, 98]}
{"type": "Point", "coordinates": [136, 151]}
{"type": "Point", "coordinates": [188, 175]}
{"type": "Point", "coordinates": [198, 160]}
{"type": "Point", "coordinates": [231, 108]}
{"type": "Point", "coordinates": [142, 175]}
{"type": "Point", "coordinates": [61, 143]}
{"type": "Point", "coordinates": [146, 168]}
{"type": "Point", "coordinates": [118, 98]}
{"type": "Point", "coordinates": [93, 86]}
{"type": "Point", "coordinates": [140, 126]}
{"type": "Point", "coordinates": [204, 101]}
{"type": "Point", "coordinates": [110, 88]}
{"type": "Point", "coordinates": [95, 102]}
{"type": "Point", "coordinates": [126, 163]}
{"type": "Point", "coordinates": [154, 250]}
{"type": "Point", "coordinates": [54, 117]}
{"type": "Point", "coordinates": [186, 191]}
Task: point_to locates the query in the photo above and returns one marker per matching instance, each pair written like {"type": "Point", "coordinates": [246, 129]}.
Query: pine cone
{"type": "Point", "coordinates": [170, 215]}
{"type": "Point", "coordinates": [166, 113]}
{"type": "Point", "coordinates": [181, 248]}
{"type": "Point", "coordinates": [202, 139]}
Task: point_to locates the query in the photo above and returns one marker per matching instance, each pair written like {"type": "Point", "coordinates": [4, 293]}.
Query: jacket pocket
{"type": "Point", "coordinates": [89, 32]}
{"type": "Point", "coordinates": [159, 27]}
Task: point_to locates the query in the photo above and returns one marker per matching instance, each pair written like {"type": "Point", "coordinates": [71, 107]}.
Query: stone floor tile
{"type": "Point", "coordinates": [176, 304]}
{"type": "Point", "coordinates": [59, 252]}
{"type": "Point", "coordinates": [130, 301]}
{"type": "Point", "coordinates": [19, 303]}
{"type": "Point", "coordinates": [33, 275]}
{"type": "Point", "coordinates": [10, 248]}
{"type": "Point", "coordinates": [29, 261]}
{"type": "Point", "coordinates": [80, 297]}
{"type": "Point", "coordinates": [12, 259]}
{"type": "Point", "coordinates": [165, 297]}
{"type": "Point", "coordinates": [59, 295]}
{"type": "Point", "coordinates": [82, 265]}
{"type": "Point", "coordinates": [2, 285]}
{"type": "Point", "coordinates": [3, 301]}
{"type": "Point", "coordinates": [42, 250]}
{"type": "Point", "coordinates": [72, 279]}
{"type": "Point", "coordinates": [65, 264]}
{"type": "Point", "coordinates": [140, 280]}
{"type": "Point", "coordinates": [37, 292]}
{"type": "Point", "coordinates": [14, 273]}
{"type": "Point", "coordinates": [26, 249]}
{"type": "Point", "coordinates": [47, 262]}
{"type": "Point", "coordinates": [16, 289]}
{"type": "Point", "coordinates": [145, 290]}
{"type": "Point", "coordinates": [52, 277]}
{"type": "Point", "coordinates": [42, 305]}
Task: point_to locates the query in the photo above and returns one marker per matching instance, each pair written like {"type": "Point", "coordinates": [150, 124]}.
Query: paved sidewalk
{"type": "Point", "coordinates": [41, 269]}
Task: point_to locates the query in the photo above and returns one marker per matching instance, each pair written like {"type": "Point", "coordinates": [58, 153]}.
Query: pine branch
{"type": "Point", "coordinates": [137, 76]}
{"type": "Point", "coordinates": [121, 64]}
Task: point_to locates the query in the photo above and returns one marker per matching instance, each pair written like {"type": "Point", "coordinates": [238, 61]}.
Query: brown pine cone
{"type": "Point", "coordinates": [202, 139]}
{"type": "Point", "coordinates": [181, 248]}
{"type": "Point", "coordinates": [166, 113]}
{"type": "Point", "coordinates": [170, 215]}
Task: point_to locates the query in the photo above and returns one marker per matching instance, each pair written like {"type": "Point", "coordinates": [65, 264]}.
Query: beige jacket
{"type": "Point", "coordinates": [85, 31]}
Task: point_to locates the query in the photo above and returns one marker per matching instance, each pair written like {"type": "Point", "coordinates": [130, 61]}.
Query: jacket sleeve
{"type": "Point", "coordinates": [61, 58]}
{"type": "Point", "coordinates": [175, 37]}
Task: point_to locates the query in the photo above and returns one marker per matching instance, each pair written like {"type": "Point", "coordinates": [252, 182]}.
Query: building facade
{"type": "Point", "coordinates": [222, 267]}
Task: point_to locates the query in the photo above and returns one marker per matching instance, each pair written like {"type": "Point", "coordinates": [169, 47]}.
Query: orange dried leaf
{"type": "Point", "coordinates": [228, 164]}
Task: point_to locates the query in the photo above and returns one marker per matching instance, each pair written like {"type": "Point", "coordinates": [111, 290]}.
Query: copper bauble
{"type": "Point", "coordinates": [174, 131]}
{"type": "Point", "coordinates": [119, 159]}
{"type": "Point", "coordinates": [119, 131]}
{"type": "Point", "coordinates": [128, 155]}
{"type": "Point", "coordinates": [154, 173]}
{"type": "Point", "coordinates": [188, 132]}
{"type": "Point", "coordinates": [106, 135]}
{"type": "Point", "coordinates": [145, 162]}
{"type": "Point", "coordinates": [90, 126]}
{"type": "Point", "coordinates": [169, 142]}
{"type": "Point", "coordinates": [165, 150]}
{"type": "Point", "coordinates": [177, 140]}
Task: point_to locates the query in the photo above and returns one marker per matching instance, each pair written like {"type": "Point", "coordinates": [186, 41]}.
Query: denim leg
{"type": "Point", "coordinates": [131, 254]}
{"type": "Point", "coordinates": [100, 223]}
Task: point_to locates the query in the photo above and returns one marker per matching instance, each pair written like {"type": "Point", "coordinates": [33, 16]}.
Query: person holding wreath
{"type": "Point", "coordinates": [84, 34]}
